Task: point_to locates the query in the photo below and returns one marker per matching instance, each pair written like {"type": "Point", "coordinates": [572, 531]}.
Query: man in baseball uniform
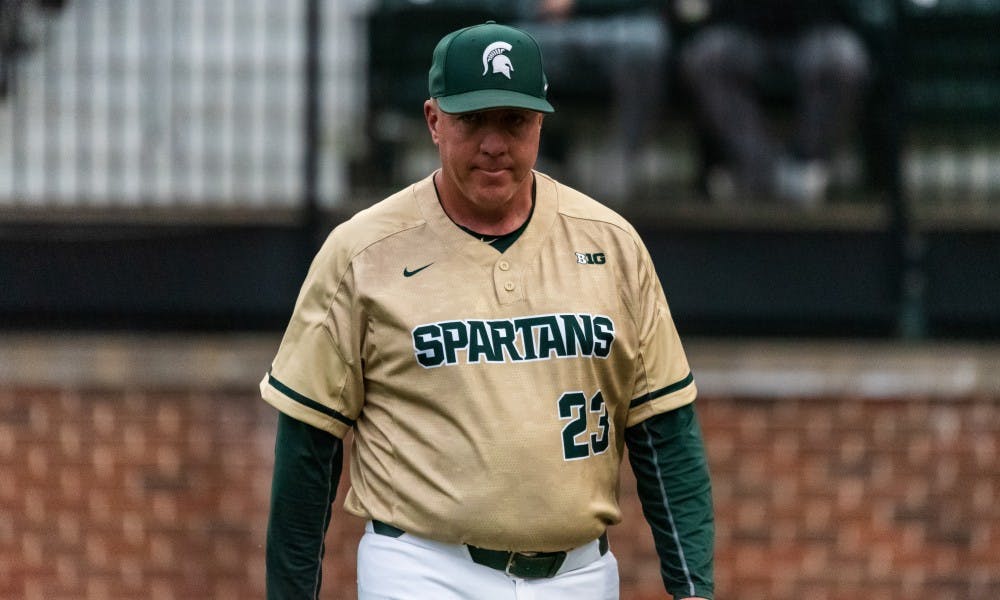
{"type": "Point", "coordinates": [494, 339]}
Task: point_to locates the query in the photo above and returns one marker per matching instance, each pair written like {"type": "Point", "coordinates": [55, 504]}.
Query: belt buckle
{"type": "Point", "coordinates": [534, 564]}
{"type": "Point", "coordinates": [510, 562]}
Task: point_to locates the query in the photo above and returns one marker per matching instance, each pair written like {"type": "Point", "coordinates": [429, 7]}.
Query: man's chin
{"type": "Point", "coordinates": [493, 187]}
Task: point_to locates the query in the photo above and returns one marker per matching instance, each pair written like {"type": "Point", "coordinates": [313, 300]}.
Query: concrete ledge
{"type": "Point", "coordinates": [746, 368]}
{"type": "Point", "coordinates": [136, 360]}
{"type": "Point", "coordinates": [858, 368]}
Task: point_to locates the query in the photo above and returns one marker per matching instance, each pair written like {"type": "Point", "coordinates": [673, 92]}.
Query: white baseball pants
{"type": "Point", "coordinates": [415, 568]}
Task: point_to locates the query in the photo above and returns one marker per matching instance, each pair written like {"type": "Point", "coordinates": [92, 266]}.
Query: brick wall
{"type": "Point", "coordinates": [159, 492]}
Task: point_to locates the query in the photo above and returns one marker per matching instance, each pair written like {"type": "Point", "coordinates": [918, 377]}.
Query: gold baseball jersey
{"type": "Point", "coordinates": [488, 392]}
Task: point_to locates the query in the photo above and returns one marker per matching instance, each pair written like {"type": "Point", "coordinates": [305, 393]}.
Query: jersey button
{"type": "Point", "coordinates": [509, 286]}
{"type": "Point", "coordinates": [504, 265]}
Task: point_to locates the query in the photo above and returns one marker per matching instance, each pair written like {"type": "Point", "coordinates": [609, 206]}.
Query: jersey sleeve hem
{"type": "Point", "coordinates": [663, 400]}
{"type": "Point", "coordinates": [304, 409]}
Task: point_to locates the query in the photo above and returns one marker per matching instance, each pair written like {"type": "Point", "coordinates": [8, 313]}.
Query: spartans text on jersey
{"type": "Point", "coordinates": [538, 337]}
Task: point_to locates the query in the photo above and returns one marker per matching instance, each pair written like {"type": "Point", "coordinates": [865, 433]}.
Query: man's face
{"type": "Point", "coordinates": [486, 156]}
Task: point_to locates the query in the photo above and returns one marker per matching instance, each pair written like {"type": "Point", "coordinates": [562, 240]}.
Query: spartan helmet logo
{"type": "Point", "coordinates": [494, 55]}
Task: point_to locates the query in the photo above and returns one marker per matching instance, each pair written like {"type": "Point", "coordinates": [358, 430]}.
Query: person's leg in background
{"type": "Point", "coordinates": [634, 51]}
{"type": "Point", "coordinates": [630, 51]}
{"type": "Point", "coordinates": [832, 68]}
{"type": "Point", "coordinates": [720, 66]}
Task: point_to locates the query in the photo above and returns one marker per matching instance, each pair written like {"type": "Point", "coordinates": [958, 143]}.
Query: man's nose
{"type": "Point", "coordinates": [494, 143]}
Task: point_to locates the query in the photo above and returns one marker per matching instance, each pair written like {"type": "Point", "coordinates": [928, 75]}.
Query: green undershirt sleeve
{"type": "Point", "coordinates": [668, 458]}
{"type": "Point", "coordinates": [307, 466]}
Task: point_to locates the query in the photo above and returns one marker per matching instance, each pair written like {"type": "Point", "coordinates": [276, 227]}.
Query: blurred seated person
{"type": "Point", "coordinates": [746, 42]}
{"type": "Point", "coordinates": [622, 44]}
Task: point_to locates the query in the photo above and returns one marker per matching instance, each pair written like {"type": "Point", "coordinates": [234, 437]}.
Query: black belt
{"type": "Point", "coordinates": [518, 564]}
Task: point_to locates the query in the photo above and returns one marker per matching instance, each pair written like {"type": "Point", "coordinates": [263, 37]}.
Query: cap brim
{"type": "Point", "coordinates": [489, 99]}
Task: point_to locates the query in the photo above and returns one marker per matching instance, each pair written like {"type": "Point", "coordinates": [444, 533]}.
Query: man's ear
{"type": "Point", "coordinates": [432, 116]}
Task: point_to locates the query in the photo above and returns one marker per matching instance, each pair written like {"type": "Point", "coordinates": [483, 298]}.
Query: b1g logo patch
{"type": "Point", "coordinates": [586, 258]}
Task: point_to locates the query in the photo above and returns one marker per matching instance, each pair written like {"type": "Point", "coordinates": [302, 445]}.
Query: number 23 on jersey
{"type": "Point", "coordinates": [575, 407]}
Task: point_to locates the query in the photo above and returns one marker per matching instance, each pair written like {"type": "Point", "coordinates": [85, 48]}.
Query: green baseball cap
{"type": "Point", "coordinates": [488, 66]}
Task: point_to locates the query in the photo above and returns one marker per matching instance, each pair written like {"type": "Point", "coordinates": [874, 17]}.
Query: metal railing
{"type": "Point", "coordinates": [180, 103]}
